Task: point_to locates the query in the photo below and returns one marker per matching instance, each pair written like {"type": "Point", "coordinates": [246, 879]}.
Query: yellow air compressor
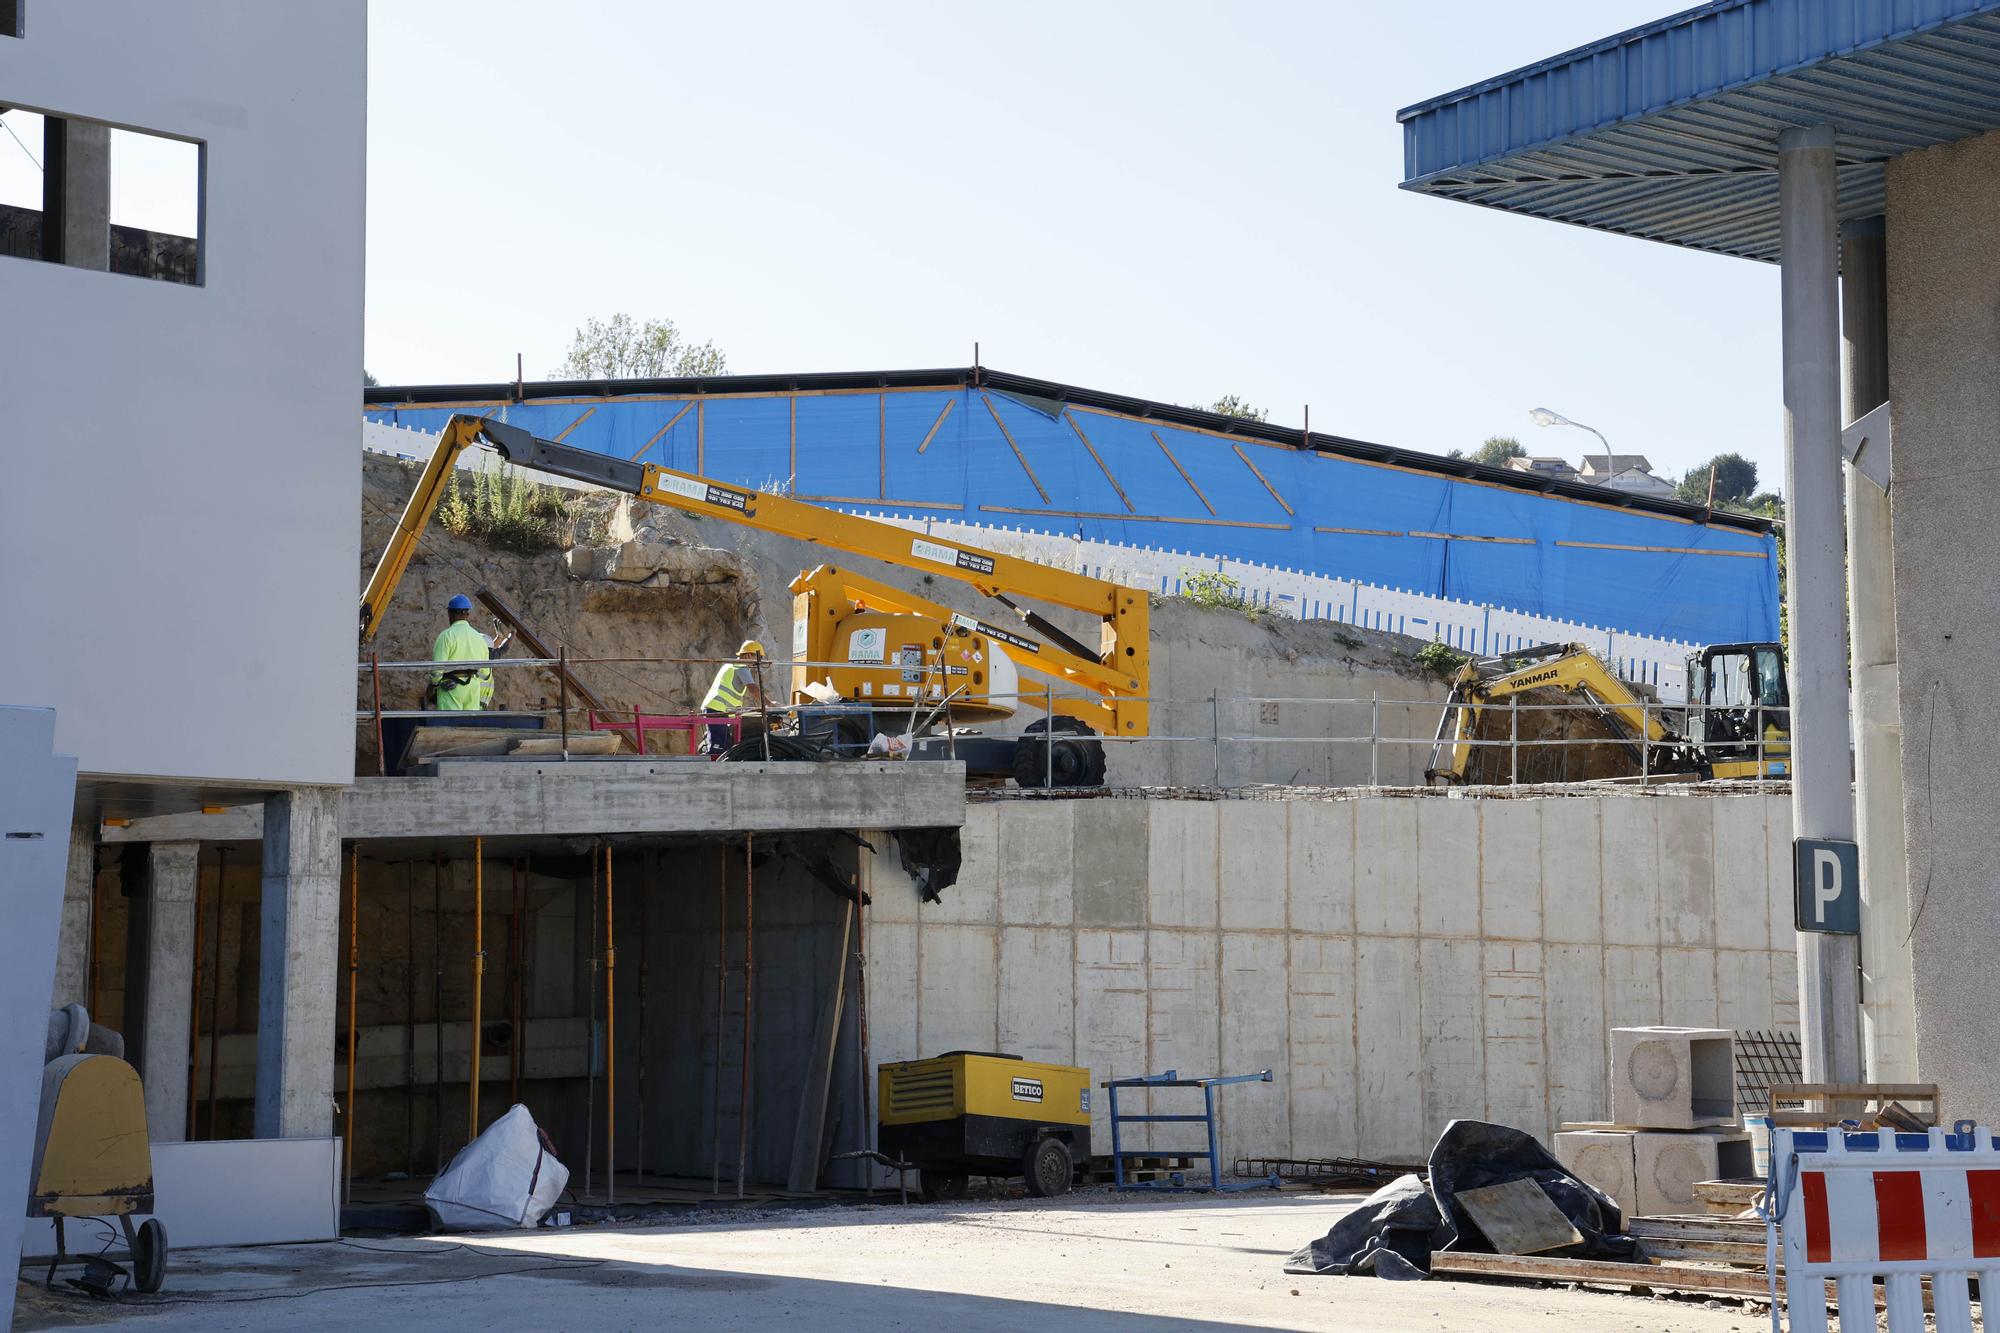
{"type": "Point", "coordinates": [967, 1113]}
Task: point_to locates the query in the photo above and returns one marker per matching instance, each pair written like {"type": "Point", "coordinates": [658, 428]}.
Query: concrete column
{"type": "Point", "coordinates": [1822, 799]}
{"type": "Point", "coordinates": [73, 944]}
{"type": "Point", "coordinates": [165, 1023]}
{"type": "Point", "coordinates": [297, 989]}
{"type": "Point", "coordinates": [76, 193]}
{"type": "Point", "coordinates": [1888, 987]}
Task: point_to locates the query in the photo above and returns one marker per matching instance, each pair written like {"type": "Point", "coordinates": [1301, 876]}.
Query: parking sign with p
{"type": "Point", "coordinates": [1826, 886]}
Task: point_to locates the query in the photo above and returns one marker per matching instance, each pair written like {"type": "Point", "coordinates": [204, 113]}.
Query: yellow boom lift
{"type": "Point", "coordinates": [900, 662]}
{"type": "Point", "coordinates": [1736, 723]}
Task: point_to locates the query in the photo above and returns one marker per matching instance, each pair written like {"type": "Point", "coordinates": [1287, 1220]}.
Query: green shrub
{"type": "Point", "coordinates": [505, 509]}
{"type": "Point", "coordinates": [1213, 589]}
{"type": "Point", "coordinates": [1441, 659]}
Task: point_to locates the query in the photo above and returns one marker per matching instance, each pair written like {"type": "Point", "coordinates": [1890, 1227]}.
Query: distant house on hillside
{"type": "Point", "coordinates": [1638, 481]}
{"type": "Point", "coordinates": [1631, 473]}
{"type": "Point", "coordinates": [1544, 465]}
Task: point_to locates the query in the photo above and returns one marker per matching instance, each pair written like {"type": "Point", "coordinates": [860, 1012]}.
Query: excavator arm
{"type": "Point", "coordinates": [460, 433]}
{"type": "Point", "coordinates": [1567, 667]}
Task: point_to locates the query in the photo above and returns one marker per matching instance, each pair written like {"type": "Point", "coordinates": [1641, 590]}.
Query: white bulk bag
{"type": "Point", "coordinates": [507, 1177]}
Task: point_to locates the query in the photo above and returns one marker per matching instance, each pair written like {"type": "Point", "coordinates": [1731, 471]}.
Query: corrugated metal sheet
{"type": "Point", "coordinates": [1669, 131]}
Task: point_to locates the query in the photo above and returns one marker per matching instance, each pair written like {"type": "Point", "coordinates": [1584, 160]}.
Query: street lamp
{"type": "Point", "coordinates": [1541, 416]}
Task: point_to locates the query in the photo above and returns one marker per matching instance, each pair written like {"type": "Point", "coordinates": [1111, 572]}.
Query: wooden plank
{"type": "Point", "coordinates": [574, 424]}
{"type": "Point", "coordinates": [1102, 466]}
{"type": "Point", "coordinates": [1141, 518]}
{"type": "Point", "coordinates": [809, 1134]}
{"type": "Point", "coordinates": [655, 437]}
{"type": "Point", "coordinates": [1695, 1228]}
{"type": "Point", "coordinates": [1516, 1217]}
{"type": "Point", "coordinates": [586, 742]}
{"type": "Point", "coordinates": [1662, 550]}
{"type": "Point", "coordinates": [929, 435]}
{"type": "Point", "coordinates": [1261, 477]}
{"type": "Point", "coordinates": [1183, 471]}
{"type": "Point", "coordinates": [1548, 1268]}
{"type": "Point", "coordinates": [1743, 1253]}
{"type": "Point", "coordinates": [1613, 1126]}
{"type": "Point", "coordinates": [1019, 457]}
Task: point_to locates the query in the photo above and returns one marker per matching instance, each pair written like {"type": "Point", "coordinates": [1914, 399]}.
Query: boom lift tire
{"type": "Point", "coordinates": [1076, 763]}
{"type": "Point", "coordinates": [1048, 1168]}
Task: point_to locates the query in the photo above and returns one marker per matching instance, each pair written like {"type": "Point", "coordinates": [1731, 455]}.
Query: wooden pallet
{"type": "Point", "coordinates": [1547, 1268]}
{"type": "Point", "coordinates": [1705, 1240]}
{"type": "Point", "coordinates": [1728, 1198]}
{"type": "Point", "coordinates": [1701, 1125]}
{"type": "Point", "coordinates": [1824, 1104]}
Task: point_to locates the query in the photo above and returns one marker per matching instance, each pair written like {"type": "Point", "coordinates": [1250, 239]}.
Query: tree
{"type": "Point", "coordinates": [621, 348]}
{"type": "Point", "coordinates": [1735, 478]}
{"type": "Point", "coordinates": [1497, 450]}
{"type": "Point", "coordinates": [368, 381]}
{"type": "Point", "coordinates": [1230, 405]}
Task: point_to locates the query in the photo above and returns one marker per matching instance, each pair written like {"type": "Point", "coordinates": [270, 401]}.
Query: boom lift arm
{"type": "Point", "coordinates": [1117, 671]}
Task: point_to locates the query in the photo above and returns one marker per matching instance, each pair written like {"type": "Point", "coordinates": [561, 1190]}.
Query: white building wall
{"type": "Point", "coordinates": [177, 534]}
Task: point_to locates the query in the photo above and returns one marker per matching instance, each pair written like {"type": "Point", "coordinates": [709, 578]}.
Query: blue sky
{"type": "Point", "coordinates": [1170, 200]}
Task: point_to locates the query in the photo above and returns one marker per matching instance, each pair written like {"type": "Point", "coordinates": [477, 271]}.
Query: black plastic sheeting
{"type": "Point", "coordinates": [1396, 1230]}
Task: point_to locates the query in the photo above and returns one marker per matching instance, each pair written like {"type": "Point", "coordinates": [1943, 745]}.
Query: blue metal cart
{"type": "Point", "coordinates": [1177, 1181]}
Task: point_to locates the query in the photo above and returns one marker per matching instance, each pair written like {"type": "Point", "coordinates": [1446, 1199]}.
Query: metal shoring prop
{"type": "Point", "coordinates": [749, 1007]}
{"type": "Point", "coordinates": [478, 978]}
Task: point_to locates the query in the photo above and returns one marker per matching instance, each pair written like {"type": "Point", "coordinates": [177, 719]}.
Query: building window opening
{"type": "Point", "coordinates": [10, 17]}
{"type": "Point", "coordinates": [86, 194]}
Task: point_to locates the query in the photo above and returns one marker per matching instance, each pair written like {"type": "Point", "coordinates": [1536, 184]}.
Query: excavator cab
{"type": "Point", "coordinates": [1738, 710]}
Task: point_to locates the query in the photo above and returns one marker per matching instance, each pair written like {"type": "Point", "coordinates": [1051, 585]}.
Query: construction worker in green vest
{"type": "Point", "coordinates": [735, 686]}
{"type": "Point", "coordinates": [461, 691]}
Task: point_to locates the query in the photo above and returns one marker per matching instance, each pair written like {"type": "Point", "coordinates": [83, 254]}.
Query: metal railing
{"type": "Point", "coordinates": [1430, 728]}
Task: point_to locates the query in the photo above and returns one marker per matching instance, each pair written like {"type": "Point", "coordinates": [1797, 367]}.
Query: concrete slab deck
{"type": "Point", "coordinates": [557, 799]}
{"type": "Point", "coordinates": [1092, 1261]}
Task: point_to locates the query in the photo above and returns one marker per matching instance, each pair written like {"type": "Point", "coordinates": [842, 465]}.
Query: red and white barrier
{"type": "Point", "coordinates": [1856, 1206]}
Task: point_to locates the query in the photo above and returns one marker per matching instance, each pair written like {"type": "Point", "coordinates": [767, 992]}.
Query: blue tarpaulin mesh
{"type": "Point", "coordinates": [983, 456]}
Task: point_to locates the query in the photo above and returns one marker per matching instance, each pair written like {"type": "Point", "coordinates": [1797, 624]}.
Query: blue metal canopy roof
{"type": "Point", "coordinates": [1669, 131]}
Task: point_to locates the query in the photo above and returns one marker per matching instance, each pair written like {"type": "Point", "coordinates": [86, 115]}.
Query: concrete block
{"type": "Point", "coordinates": [1687, 870]}
{"type": "Point", "coordinates": [1742, 873]}
{"type": "Point", "coordinates": [957, 996]}
{"type": "Point", "coordinates": [1385, 873]}
{"type": "Point", "coordinates": [1320, 872]}
{"type": "Point", "coordinates": [1110, 1011]}
{"type": "Point", "coordinates": [1256, 1119]}
{"type": "Point", "coordinates": [1516, 1074]}
{"type": "Point", "coordinates": [1665, 1167]}
{"type": "Point", "coordinates": [975, 898]}
{"type": "Point", "coordinates": [1631, 870]}
{"type": "Point", "coordinates": [1451, 1004]}
{"type": "Point", "coordinates": [1572, 877]}
{"type": "Point", "coordinates": [1037, 848]}
{"type": "Point", "coordinates": [1110, 863]}
{"type": "Point", "coordinates": [1448, 867]}
{"type": "Point", "coordinates": [1322, 1016]}
{"type": "Point", "coordinates": [1181, 866]}
{"type": "Point", "coordinates": [1672, 1077]}
{"type": "Point", "coordinates": [1579, 1059]}
{"type": "Point", "coordinates": [1603, 1158]}
{"type": "Point", "coordinates": [1687, 987]}
{"type": "Point", "coordinates": [1510, 869]}
{"type": "Point", "coordinates": [1389, 1050]}
{"type": "Point", "coordinates": [1254, 864]}
{"type": "Point", "coordinates": [1038, 994]}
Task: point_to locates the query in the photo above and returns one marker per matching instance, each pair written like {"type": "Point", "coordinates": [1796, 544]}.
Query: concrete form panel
{"type": "Point", "coordinates": [1687, 987]}
{"type": "Point", "coordinates": [1687, 870]}
{"type": "Point", "coordinates": [1448, 867]}
{"type": "Point", "coordinates": [975, 898]}
{"type": "Point", "coordinates": [1255, 1016]}
{"type": "Point", "coordinates": [1389, 1050]}
{"type": "Point", "coordinates": [1515, 1035]}
{"type": "Point", "coordinates": [1385, 871]}
{"type": "Point", "coordinates": [957, 989]}
{"type": "Point", "coordinates": [892, 993]}
{"type": "Point", "coordinates": [1322, 1082]}
{"type": "Point", "coordinates": [1110, 863]}
{"type": "Point", "coordinates": [1631, 870]}
{"type": "Point", "coordinates": [1742, 990]}
{"type": "Point", "coordinates": [892, 893]}
{"type": "Point", "coordinates": [1038, 993]}
{"type": "Point", "coordinates": [1254, 865]}
{"type": "Point", "coordinates": [1631, 987]}
{"type": "Point", "coordinates": [1511, 869]}
{"type": "Point", "coordinates": [1572, 876]}
{"type": "Point", "coordinates": [1181, 860]}
{"type": "Point", "coordinates": [1742, 872]}
{"type": "Point", "coordinates": [1111, 1003]}
{"type": "Point", "coordinates": [1036, 842]}
{"type": "Point", "coordinates": [1320, 851]}
{"type": "Point", "coordinates": [1579, 1049]}
{"type": "Point", "coordinates": [1451, 1000]}
{"type": "Point", "coordinates": [1183, 1001]}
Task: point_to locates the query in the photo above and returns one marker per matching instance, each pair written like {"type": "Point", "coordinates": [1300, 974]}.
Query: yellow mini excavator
{"type": "Point", "coordinates": [1557, 713]}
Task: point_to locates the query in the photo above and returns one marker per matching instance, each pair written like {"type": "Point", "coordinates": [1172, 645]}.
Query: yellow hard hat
{"type": "Point", "coordinates": [750, 648]}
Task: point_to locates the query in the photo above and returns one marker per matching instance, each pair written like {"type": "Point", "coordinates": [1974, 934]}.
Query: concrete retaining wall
{"type": "Point", "coordinates": [1398, 960]}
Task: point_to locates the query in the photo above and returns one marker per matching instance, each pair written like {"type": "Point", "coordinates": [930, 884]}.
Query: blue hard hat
{"type": "Point", "coordinates": [459, 603]}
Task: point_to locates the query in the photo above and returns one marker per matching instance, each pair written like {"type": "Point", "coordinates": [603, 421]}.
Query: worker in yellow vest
{"type": "Point", "coordinates": [461, 691]}
{"type": "Point", "coordinates": [735, 686]}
